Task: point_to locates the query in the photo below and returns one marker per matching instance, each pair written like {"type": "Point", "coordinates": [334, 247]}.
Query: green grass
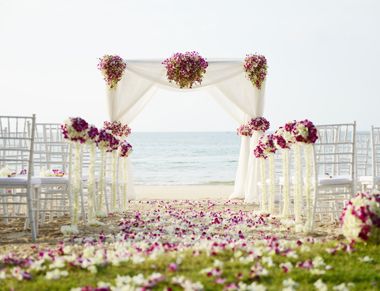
{"type": "Point", "coordinates": [346, 267]}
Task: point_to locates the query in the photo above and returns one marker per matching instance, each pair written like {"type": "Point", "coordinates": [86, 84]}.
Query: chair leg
{"type": "Point", "coordinates": [29, 198]}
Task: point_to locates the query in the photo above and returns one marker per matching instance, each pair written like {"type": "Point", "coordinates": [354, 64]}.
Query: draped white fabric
{"type": "Point", "coordinates": [227, 83]}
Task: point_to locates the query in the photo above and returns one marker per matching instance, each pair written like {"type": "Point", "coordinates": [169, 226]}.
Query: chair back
{"type": "Point", "coordinates": [50, 149]}
{"type": "Point", "coordinates": [16, 143]}
{"type": "Point", "coordinates": [375, 140]}
{"type": "Point", "coordinates": [335, 150]}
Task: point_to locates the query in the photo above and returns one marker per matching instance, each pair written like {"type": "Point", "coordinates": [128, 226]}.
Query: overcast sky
{"type": "Point", "coordinates": [324, 57]}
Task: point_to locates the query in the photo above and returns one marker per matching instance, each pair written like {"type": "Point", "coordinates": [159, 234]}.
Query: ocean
{"type": "Point", "coordinates": [184, 158]}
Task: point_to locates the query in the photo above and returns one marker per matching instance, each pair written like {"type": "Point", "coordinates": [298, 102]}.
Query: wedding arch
{"type": "Point", "coordinates": [226, 81]}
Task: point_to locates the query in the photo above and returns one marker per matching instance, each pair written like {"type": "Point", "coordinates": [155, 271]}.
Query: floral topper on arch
{"type": "Point", "coordinates": [112, 68]}
{"type": "Point", "coordinates": [185, 69]}
{"type": "Point", "coordinates": [255, 124]}
{"type": "Point", "coordinates": [256, 68]}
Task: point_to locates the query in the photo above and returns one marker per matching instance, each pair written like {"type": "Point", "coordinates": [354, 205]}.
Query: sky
{"type": "Point", "coordinates": [323, 57]}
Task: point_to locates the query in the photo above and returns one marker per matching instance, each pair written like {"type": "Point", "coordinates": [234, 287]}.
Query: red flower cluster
{"type": "Point", "coordinates": [305, 131]}
{"type": "Point", "coordinates": [265, 147]}
{"type": "Point", "coordinates": [125, 149]}
{"type": "Point", "coordinates": [256, 68]}
{"type": "Point", "coordinates": [112, 68]}
{"type": "Point", "coordinates": [185, 69]}
{"type": "Point", "coordinates": [255, 124]}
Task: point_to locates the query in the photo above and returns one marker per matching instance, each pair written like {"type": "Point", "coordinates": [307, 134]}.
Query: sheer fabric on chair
{"type": "Point", "coordinates": [334, 160]}
{"type": "Point", "coordinates": [16, 153]}
{"type": "Point", "coordinates": [226, 82]}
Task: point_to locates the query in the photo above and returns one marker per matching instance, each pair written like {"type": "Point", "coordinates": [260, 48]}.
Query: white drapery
{"type": "Point", "coordinates": [227, 83]}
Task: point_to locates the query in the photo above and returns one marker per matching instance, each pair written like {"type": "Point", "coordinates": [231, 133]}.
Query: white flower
{"type": "Point", "coordinates": [5, 172]}
{"type": "Point", "coordinates": [101, 213]}
{"type": "Point", "coordinates": [218, 263]}
{"type": "Point", "coordinates": [317, 271]}
{"type": "Point", "coordinates": [286, 266]}
{"type": "Point", "coordinates": [56, 274]}
{"type": "Point", "coordinates": [268, 261]}
{"type": "Point", "coordinates": [366, 259]}
{"type": "Point", "coordinates": [341, 287]}
{"type": "Point", "coordinates": [318, 262]}
{"type": "Point", "coordinates": [57, 263]}
{"type": "Point", "coordinates": [320, 286]}
{"type": "Point", "coordinates": [37, 265]}
{"type": "Point", "coordinates": [92, 269]}
{"type": "Point", "coordinates": [253, 287]}
{"type": "Point", "coordinates": [3, 275]}
{"type": "Point", "coordinates": [289, 284]}
{"type": "Point", "coordinates": [95, 222]}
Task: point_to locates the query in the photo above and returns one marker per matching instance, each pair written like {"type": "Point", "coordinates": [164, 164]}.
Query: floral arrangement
{"type": "Point", "coordinates": [125, 149]}
{"type": "Point", "coordinates": [360, 219]}
{"type": "Point", "coordinates": [75, 129]}
{"type": "Point", "coordinates": [255, 124]}
{"type": "Point", "coordinates": [259, 124]}
{"type": "Point", "coordinates": [265, 146]}
{"type": "Point", "coordinates": [6, 172]}
{"type": "Point", "coordinates": [93, 134]}
{"type": "Point", "coordinates": [117, 128]}
{"type": "Point", "coordinates": [284, 136]}
{"type": "Point", "coordinates": [53, 173]}
{"type": "Point", "coordinates": [244, 130]}
{"type": "Point", "coordinates": [185, 69]}
{"type": "Point", "coordinates": [112, 68]}
{"type": "Point", "coordinates": [256, 68]}
{"type": "Point", "coordinates": [107, 141]}
{"type": "Point", "coordinates": [305, 131]}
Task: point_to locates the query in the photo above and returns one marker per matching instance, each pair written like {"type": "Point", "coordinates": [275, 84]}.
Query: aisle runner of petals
{"type": "Point", "coordinates": [172, 229]}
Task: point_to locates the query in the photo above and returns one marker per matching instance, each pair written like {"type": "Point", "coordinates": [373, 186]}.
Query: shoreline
{"type": "Point", "coordinates": [183, 192]}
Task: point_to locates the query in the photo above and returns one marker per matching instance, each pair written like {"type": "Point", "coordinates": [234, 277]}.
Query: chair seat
{"type": "Point", "coordinates": [335, 180]}
{"type": "Point", "coordinates": [35, 181]}
{"type": "Point", "coordinates": [53, 180]}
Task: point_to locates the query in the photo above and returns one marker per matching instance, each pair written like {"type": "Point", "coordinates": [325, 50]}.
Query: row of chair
{"type": "Point", "coordinates": [30, 150]}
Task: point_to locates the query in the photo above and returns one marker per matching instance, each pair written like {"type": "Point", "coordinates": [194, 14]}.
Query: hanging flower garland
{"type": "Point", "coordinates": [256, 68]}
{"type": "Point", "coordinates": [263, 150]}
{"type": "Point", "coordinates": [255, 124]}
{"type": "Point", "coordinates": [112, 68]}
{"type": "Point", "coordinates": [185, 69]}
{"type": "Point", "coordinates": [360, 219]}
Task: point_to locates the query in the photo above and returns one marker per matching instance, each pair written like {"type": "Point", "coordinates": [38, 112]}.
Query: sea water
{"type": "Point", "coordinates": [184, 158]}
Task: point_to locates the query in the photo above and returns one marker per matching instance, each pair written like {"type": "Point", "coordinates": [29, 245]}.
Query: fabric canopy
{"type": "Point", "coordinates": [225, 80]}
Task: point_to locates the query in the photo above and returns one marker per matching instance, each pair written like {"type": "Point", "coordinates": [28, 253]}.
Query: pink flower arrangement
{"type": "Point", "coordinates": [256, 68]}
{"type": "Point", "coordinates": [244, 130]}
{"type": "Point", "coordinates": [265, 147]}
{"type": "Point", "coordinates": [305, 131]}
{"type": "Point", "coordinates": [259, 124]}
{"type": "Point", "coordinates": [75, 129]}
{"type": "Point", "coordinates": [112, 68]}
{"type": "Point", "coordinates": [117, 128]}
{"type": "Point", "coordinates": [125, 149]}
{"type": "Point", "coordinates": [107, 141]}
{"type": "Point", "coordinates": [185, 69]}
{"type": "Point", "coordinates": [93, 134]}
{"type": "Point", "coordinates": [255, 124]}
{"type": "Point", "coordinates": [360, 219]}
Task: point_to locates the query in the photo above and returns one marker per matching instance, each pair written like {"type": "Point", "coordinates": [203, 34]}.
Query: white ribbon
{"type": "Point", "coordinates": [125, 177]}
{"type": "Point", "coordinates": [114, 182]}
{"type": "Point", "coordinates": [308, 150]}
{"type": "Point", "coordinates": [286, 186]}
{"type": "Point", "coordinates": [298, 184]}
{"type": "Point", "coordinates": [77, 180]}
{"type": "Point", "coordinates": [101, 189]}
{"type": "Point", "coordinates": [263, 186]}
{"type": "Point", "coordinates": [272, 186]}
{"type": "Point", "coordinates": [91, 184]}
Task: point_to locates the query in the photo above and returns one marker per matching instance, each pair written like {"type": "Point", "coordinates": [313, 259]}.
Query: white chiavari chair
{"type": "Point", "coordinates": [372, 181]}
{"type": "Point", "coordinates": [16, 153]}
{"type": "Point", "coordinates": [51, 153]}
{"type": "Point", "coordinates": [334, 169]}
